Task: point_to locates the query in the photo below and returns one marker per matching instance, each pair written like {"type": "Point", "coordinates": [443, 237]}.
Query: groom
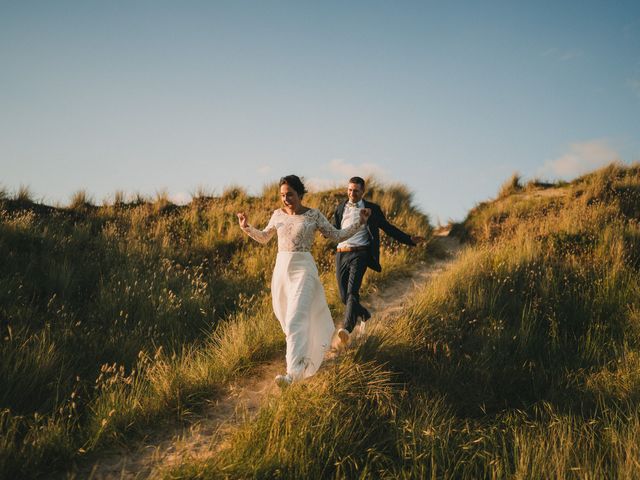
{"type": "Point", "coordinates": [360, 251]}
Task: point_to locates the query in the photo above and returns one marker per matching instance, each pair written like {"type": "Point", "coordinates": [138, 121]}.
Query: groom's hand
{"type": "Point", "coordinates": [365, 213]}
{"type": "Point", "coordinates": [242, 219]}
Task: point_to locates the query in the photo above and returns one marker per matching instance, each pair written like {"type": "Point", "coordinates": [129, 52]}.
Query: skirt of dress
{"type": "Point", "coordinates": [301, 307]}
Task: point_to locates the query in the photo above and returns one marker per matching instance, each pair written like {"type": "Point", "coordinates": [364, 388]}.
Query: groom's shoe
{"type": "Point", "coordinates": [361, 328]}
{"type": "Point", "coordinates": [283, 381]}
{"type": "Point", "coordinates": [363, 317]}
{"type": "Point", "coordinates": [343, 335]}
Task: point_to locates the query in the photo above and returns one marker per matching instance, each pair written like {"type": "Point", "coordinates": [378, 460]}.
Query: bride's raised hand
{"type": "Point", "coordinates": [242, 219]}
{"type": "Point", "coordinates": [365, 213]}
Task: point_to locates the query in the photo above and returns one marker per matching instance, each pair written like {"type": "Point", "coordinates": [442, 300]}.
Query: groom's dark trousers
{"type": "Point", "coordinates": [350, 268]}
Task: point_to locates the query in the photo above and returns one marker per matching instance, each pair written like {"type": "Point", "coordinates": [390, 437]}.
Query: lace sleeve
{"type": "Point", "coordinates": [333, 233]}
{"type": "Point", "coordinates": [262, 236]}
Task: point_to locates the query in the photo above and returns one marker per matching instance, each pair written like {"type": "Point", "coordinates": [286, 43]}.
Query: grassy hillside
{"type": "Point", "coordinates": [117, 316]}
{"type": "Point", "coordinates": [521, 361]}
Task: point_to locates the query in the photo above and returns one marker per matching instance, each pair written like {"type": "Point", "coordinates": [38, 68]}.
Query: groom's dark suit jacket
{"type": "Point", "coordinates": [377, 221]}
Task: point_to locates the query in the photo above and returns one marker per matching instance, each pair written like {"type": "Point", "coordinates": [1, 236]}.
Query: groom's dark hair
{"type": "Point", "coordinates": [294, 182]}
{"type": "Point", "coordinates": [358, 180]}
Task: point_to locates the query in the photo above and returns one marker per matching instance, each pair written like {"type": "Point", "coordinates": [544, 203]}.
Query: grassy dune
{"type": "Point", "coordinates": [119, 316]}
{"type": "Point", "coordinates": [521, 361]}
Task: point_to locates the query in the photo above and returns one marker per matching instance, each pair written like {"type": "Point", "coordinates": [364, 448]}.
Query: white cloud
{"type": "Point", "coordinates": [340, 167]}
{"type": "Point", "coordinates": [571, 54]}
{"type": "Point", "coordinates": [631, 31]}
{"type": "Point", "coordinates": [180, 198]}
{"type": "Point", "coordinates": [320, 184]}
{"type": "Point", "coordinates": [634, 84]}
{"type": "Point", "coordinates": [563, 54]}
{"type": "Point", "coordinates": [581, 158]}
{"type": "Point", "coordinates": [339, 172]}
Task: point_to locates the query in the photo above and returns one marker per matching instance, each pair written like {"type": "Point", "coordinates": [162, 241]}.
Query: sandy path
{"type": "Point", "coordinates": [243, 396]}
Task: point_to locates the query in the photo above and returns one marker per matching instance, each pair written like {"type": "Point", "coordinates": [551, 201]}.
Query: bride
{"type": "Point", "coordinates": [298, 296]}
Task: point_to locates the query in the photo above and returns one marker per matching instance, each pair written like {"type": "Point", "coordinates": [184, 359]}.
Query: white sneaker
{"type": "Point", "coordinates": [361, 330]}
{"type": "Point", "coordinates": [343, 335]}
{"type": "Point", "coordinates": [283, 381]}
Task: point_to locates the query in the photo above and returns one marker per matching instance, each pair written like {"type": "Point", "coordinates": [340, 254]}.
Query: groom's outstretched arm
{"type": "Point", "coordinates": [393, 231]}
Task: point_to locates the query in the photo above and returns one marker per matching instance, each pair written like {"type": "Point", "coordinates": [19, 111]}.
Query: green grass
{"type": "Point", "coordinates": [521, 361]}
{"type": "Point", "coordinates": [117, 317]}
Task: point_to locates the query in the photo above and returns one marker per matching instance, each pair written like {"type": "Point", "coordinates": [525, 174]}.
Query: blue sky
{"type": "Point", "coordinates": [449, 98]}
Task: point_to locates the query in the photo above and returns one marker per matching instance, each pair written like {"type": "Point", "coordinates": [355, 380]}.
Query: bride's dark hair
{"type": "Point", "coordinates": [294, 182]}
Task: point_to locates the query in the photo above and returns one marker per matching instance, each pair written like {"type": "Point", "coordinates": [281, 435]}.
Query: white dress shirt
{"type": "Point", "coordinates": [350, 216]}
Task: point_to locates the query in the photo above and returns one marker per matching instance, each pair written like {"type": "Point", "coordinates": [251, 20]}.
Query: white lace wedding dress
{"type": "Point", "coordinates": [298, 297]}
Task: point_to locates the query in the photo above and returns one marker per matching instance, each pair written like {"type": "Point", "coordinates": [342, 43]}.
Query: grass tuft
{"type": "Point", "coordinates": [511, 186]}
{"type": "Point", "coordinates": [80, 200]}
{"type": "Point", "coordinates": [24, 195]}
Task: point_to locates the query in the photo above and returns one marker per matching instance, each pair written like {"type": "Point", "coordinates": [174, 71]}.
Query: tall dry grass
{"type": "Point", "coordinates": [117, 317]}
{"type": "Point", "coordinates": [520, 361]}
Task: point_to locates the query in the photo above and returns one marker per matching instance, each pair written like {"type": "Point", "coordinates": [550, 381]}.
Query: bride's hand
{"type": "Point", "coordinates": [365, 213]}
{"type": "Point", "coordinates": [242, 218]}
